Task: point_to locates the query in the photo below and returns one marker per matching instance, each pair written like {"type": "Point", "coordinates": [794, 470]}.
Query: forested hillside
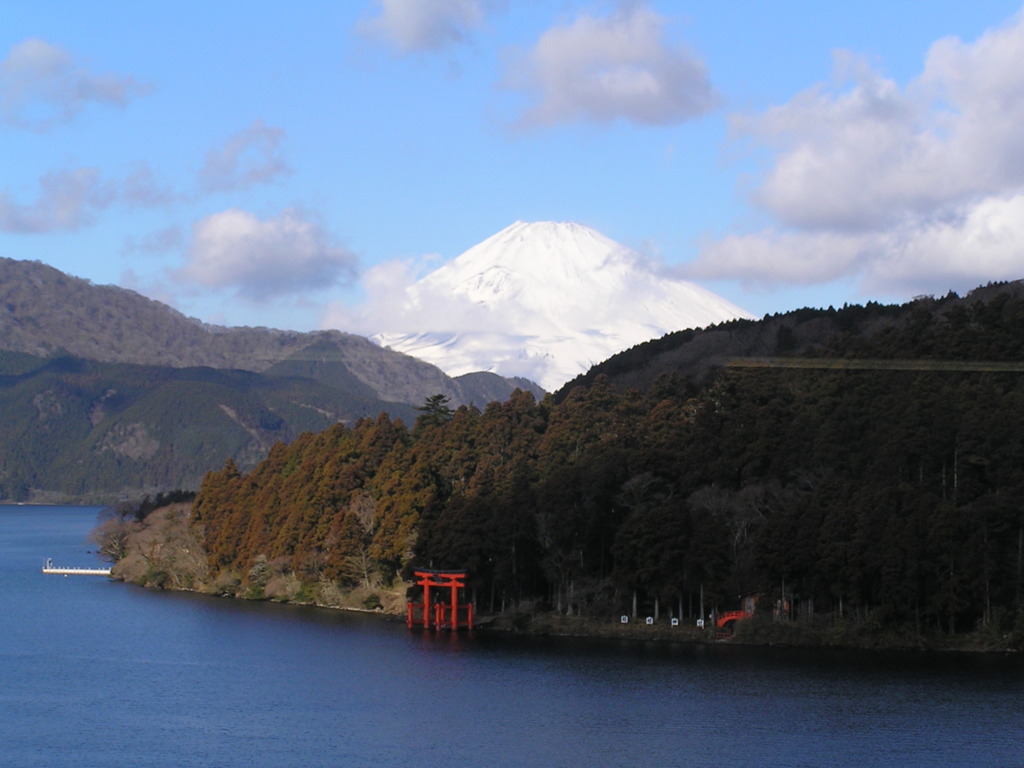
{"type": "Point", "coordinates": [45, 313]}
{"type": "Point", "coordinates": [699, 353]}
{"type": "Point", "coordinates": [106, 394]}
{"type": "Point", "coordinates": [878, 480]}
{"type": "Point", "coordinates": [74, 429]}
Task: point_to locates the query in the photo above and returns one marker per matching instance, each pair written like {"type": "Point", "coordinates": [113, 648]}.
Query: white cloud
{"type": "Point", "coordinates": [607, 69]}
{"type": "Point", "coordinates": [163, 240]}
{"type": "Point", "coordinates": [251, 156]}
{"type": "Point", "coordinates": [68, 200]}
{"type": "Point", "coordinates": [41, 85]}
{"type": "Point", "coordinates": [391, 305]}
{"type": "Point", "coordinates": [984, 241]}
{"type": "Point", "coordinates": [142, 188]}
{"type": "Point", "coordinates": [72, 198]}
{"type": "Point", "coordinates": [874, 153]}
{"type": "Point", "coordinates": [423, 25]}
{"type": "Point", "coordinates": [909, 187]}
{"type": "Point", "coordinates": [262, 259]}
{"type": "Point", "coordinates": [771, 258]}
{"type": "Point", "coordinates": [394, 305]}
{"type": "Point", "coordinates": [980, 242]}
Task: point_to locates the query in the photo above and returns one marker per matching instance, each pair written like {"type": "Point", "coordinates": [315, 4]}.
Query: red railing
{"type": "Point", "coordinates": [731, 616]}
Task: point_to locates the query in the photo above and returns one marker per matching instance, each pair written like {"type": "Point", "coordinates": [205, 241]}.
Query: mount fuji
{"type": "Point", "coordinates": [544, 301]}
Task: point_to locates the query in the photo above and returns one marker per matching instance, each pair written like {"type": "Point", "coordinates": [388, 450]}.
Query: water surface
{"type": "Point", "coordinates": [98, 673]}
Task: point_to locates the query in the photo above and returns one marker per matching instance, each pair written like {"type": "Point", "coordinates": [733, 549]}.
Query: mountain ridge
{"type": "Point", "coordinates": [45, 312]}
{"type": "Point", "coordinates": [106, 394]}
{"type": "Point", "coordinates": [698, 354]}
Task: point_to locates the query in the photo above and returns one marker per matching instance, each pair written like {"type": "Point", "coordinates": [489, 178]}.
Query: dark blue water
{"type": "Point", "coordinates": [97, 673]}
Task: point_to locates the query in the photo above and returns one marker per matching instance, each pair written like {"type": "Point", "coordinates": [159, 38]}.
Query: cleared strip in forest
{"type": "Point", "coordinates": [854, 364]}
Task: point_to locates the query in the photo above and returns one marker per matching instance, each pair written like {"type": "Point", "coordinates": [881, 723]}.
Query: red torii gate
{"type": "Point", "coordinates": [445, 614]}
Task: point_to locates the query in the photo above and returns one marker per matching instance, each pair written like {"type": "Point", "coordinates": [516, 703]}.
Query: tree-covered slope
{"type": "Point", "coordinates": [106, 393]}
{"type": "Point", "coordinates": [698, 354]}
{"type": "Point", "coordinates": [45, 313]}
{"type": "Point", "coordinates": [79, 429]}
{"type": "Point", "coordinates": [883, 494]}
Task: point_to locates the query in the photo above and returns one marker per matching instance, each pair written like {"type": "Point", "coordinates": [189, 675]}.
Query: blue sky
{"type": "Point", "coordinates": [257, 163]}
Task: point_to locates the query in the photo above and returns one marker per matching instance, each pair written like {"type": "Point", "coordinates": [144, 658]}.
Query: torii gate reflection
{"type": "Point", "coordinates": [446, 615]}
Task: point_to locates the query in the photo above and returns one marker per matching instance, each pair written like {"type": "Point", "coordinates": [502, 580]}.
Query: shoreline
{"type": "Point", "coordinates": [759, 632]}
{"type": "Point", "coordinates": [165, 553]}
{"type": "Point", "coordinates": [765, 632]}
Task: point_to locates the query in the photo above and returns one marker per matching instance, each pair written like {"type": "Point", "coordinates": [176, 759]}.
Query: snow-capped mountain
{"type": "Point", "coordinates": [545, 301]}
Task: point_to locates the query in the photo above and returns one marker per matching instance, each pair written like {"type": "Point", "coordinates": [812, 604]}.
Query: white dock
{"type": "Point", "coordinates": [49, 567]}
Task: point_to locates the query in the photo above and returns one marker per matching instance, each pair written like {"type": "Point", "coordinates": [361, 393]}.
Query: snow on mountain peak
{"type": "Point", "coordinates": [544, 300]}
{"type": "Point", "coordinates": [524, 255]}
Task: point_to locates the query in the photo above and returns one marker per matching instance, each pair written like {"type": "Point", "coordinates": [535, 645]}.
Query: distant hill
{"type": "Point", "coordinates": [75, 429]}
{"type": "Point", "coordinates": [105, 393]}
{"type": "Point", "coordinates": [44, 312]}
{"type": "Point", "coordinates": [697, 354]}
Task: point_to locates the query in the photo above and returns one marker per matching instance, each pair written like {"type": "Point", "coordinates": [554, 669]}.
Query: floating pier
{"type": "Point", "coordinates": [49, 567]}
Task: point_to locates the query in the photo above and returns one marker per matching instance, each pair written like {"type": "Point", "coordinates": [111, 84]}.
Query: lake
{"type": "Point", "coordinates": [98, 673]}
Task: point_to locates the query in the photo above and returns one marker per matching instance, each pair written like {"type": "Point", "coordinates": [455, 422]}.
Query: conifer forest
{"type": "Point", "coordinates": [877, 476]}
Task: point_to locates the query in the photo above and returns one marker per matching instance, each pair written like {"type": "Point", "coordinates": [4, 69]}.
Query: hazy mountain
{"type": "Point", "coordinates": [545, 301]}
{"type": "Point", "coordinates": [44, 312]}
{"type": "Point", "coordinates": [75, 429]}
{"type": "Point", "coordinates": [106, 394]}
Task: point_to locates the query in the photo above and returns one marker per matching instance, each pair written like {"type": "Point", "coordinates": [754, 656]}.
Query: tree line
{"type": "Point", "coordinates": [892, 496]}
